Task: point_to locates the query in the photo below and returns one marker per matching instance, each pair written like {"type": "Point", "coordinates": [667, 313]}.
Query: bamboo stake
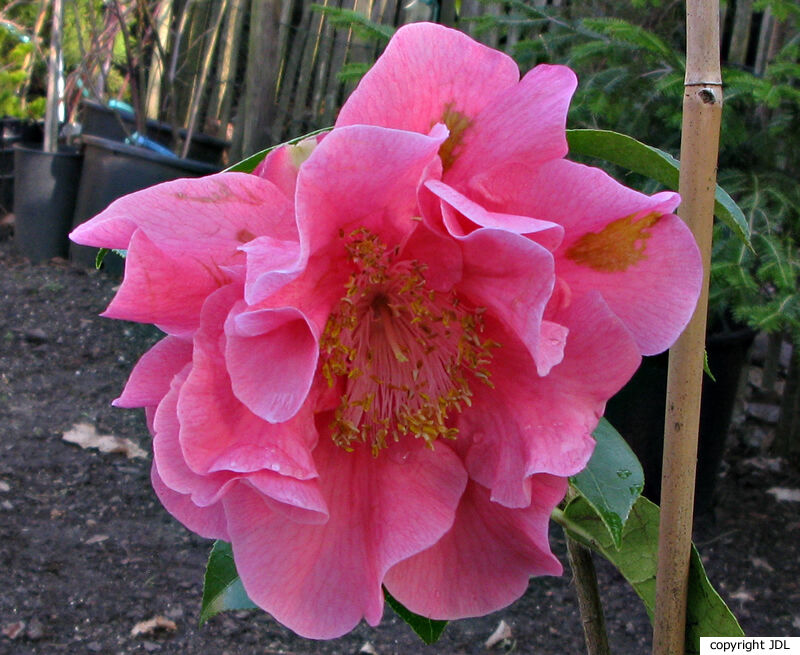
{"type": "Point", "coordinates": [702, 112]}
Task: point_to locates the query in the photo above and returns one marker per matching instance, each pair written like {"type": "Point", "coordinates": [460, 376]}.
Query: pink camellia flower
{"type": "Point", "coordinates": [505, 154]}
{"type": "Point", "coordinates": [383, 360]}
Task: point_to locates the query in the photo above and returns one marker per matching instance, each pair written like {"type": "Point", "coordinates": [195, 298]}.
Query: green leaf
{"type": "Point", "coordinates": [101, 255]}
{"type": "Point", "coordinates": [361, 25]}
{"type": "Point", "coordinates": [706, 367]}
{"type": "Point", "coordinates": [429, 630]}
{"type": "Point", "coordinates": [222, 587]}
{"type": "Point", "coordinates": [612, 480]}
{"type": "Point", "coordinates": [249, 164]}
{"type": "Point", "coordinates": [634, 155]}
{"type": "Point", "coordinates": [706, 615]}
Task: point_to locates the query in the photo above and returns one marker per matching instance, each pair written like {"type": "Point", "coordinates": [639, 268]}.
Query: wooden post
{"type": "Point", "coordinates": [702, 112]}
{"type": "Point", "coordinates": [199, 86]}
{"type": "Point", "coordinates": [54, 69]}
{"type": "Point", "coordinates": [260, 76]}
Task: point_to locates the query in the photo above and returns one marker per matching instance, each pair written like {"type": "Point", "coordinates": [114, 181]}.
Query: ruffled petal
{"type": "Point", "coordinates": [484, 562]}
{"type": "Point", "coordinates": [461, 216]}
{"type": "Point", "coordinates": [208, 522]}
{"type": "Point", "coordinates": [282, 164]}
{"type": "Point", "coordinates": [384, 201]}
{"type": "Point", "coordinates": [218, 432]}
{"type": "Point", "coordinates": [164, 290]}
{"type": "Point", "coordinates": [425, 71]}
{"type": "Point", "coordinates": [299, 500]}
{"type": "Point", "coordinates": [525, 124]}
{"type": "Point", "coordinates": [654, 297]}
{"type": "Point", "coordinates": [324, 578]}
{"type": "Point", "coordinates": [207, 218]}
{"type": "Point", "coordinates": [620, 242]}
{"type": "Point", "coordinates": [513, 277]}
{"type": "Point", "coordinates": [150, 379]}
{"type": "Point", "coordinates": [271, 265]}
{"type": "Point", "coordinates": [529, 424]}
{"type": "Point", "coordinates": [271, 357]}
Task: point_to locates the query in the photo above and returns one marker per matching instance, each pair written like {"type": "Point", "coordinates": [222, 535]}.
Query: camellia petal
{"type": "Point", "coordinates": [151, 377]}
{"type": "Point", "coordinates": [218, 432]}
{"type": "Point", "coordinates": [299, 500]}
{"type": "Point", "coordinates": [323, 579]}
{"type": "Point", "coordinates": [457, 209]}
{"type": "Point", "coordinates": [383, 202]}
{"type": "Point", "coordinates": [426, 72]}
{"type": "Point", "coordinates": [149, 270]}
{"type": "Point", "coordinates": [514, 277]}
{"type": "Point", "coordinates": [282, 165]}
{"type": "Point", "coordinates": [486, 560]}
{"type": "Point", "coordinates": [257, 340]}
{"type": "Point", "coordinates": [207, 218]}
{"type": "Point", "coordinates": [532, 424]}
{"type": "Point", "coordinates": [208, 522]}
{"type": "Point", "coordinates": [526, 124]}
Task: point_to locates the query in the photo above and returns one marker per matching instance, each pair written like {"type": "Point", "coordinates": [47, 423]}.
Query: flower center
{"type": "Point", "coordinates": [406, 354]}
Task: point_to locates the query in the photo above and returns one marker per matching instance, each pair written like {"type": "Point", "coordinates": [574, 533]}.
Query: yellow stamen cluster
{"type": "Point", "coordinates": [403, 353]}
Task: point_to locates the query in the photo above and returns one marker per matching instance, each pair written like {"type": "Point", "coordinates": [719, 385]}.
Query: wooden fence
{"type": "Point", "coordinates": [273, 66]}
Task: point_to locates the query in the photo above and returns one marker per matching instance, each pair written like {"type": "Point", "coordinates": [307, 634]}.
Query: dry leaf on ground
{"type": "Point", "coordinates": [85, 435]}
{"type": "Point", "coordinates": [742, 595]}
{"type": "Point", "coordinates": [783, 493]}
{"type": "Point", "coordinates": [153, 625]}
{"type": "Point", "coordinates": [762, 564]}
{"type": "Point", "coordinates": [501, 633]}
{"type": "Point", "coordinates": [13, 630]}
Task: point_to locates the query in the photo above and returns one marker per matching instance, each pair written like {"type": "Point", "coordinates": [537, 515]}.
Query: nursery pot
{"type": "Point", "coordinates": [637, 412]}
{"type": "Point", "coordinates": [206, 148]}
{"type": "Point", "coordinates": [12, 131]}
{"type": "Point", "coordinates": [111, 170]}
{"type": "Point", "coordinates": [45, 185]}
{"type": "Point", "coordinates": [107, 123]}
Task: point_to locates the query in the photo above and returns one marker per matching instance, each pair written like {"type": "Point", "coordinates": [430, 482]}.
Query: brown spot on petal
{"type": "Point", "coordinates": [618, 246]}
{"type": "Point", "coordinates": [244, 235]}
{"type": "Point", "coordinates": [457, 123]}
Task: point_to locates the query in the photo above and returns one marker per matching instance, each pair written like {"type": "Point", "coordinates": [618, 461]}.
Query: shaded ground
{"type": "Point", "coordinates": [86, 552]}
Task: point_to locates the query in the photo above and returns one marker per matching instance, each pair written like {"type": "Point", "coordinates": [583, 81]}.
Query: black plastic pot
{"type": "Point", "coordinates": [101, 121]}
{"type": "Point", "coordinates": [637, 412]}
{"type": "Point", "coordinates": [111, 170]}
{"type": "Point", "coordinates": [45, 186]}
{"type": "Point", "coordinates": [6, 193]}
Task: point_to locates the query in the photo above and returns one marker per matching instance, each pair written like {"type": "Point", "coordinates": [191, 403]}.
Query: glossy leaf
{"type": "Point", "coordinates": [612, 480]}
{"type": "Point", "coordinates": [222, 587]}
{"type": "Point", "coordinates": [101, 255]}
{"type": "Point", "coordinates": [249, 164]}
{"type": "Point", "coordinates": [429, 630]}
{"type": "Point", "coordinates": [634, 155]}
{"type": "Point", "coordinates": [636, 560]}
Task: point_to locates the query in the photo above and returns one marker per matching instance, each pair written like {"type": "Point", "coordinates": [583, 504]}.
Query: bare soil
{"type": "Point", "coordinates": [87, 552]}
